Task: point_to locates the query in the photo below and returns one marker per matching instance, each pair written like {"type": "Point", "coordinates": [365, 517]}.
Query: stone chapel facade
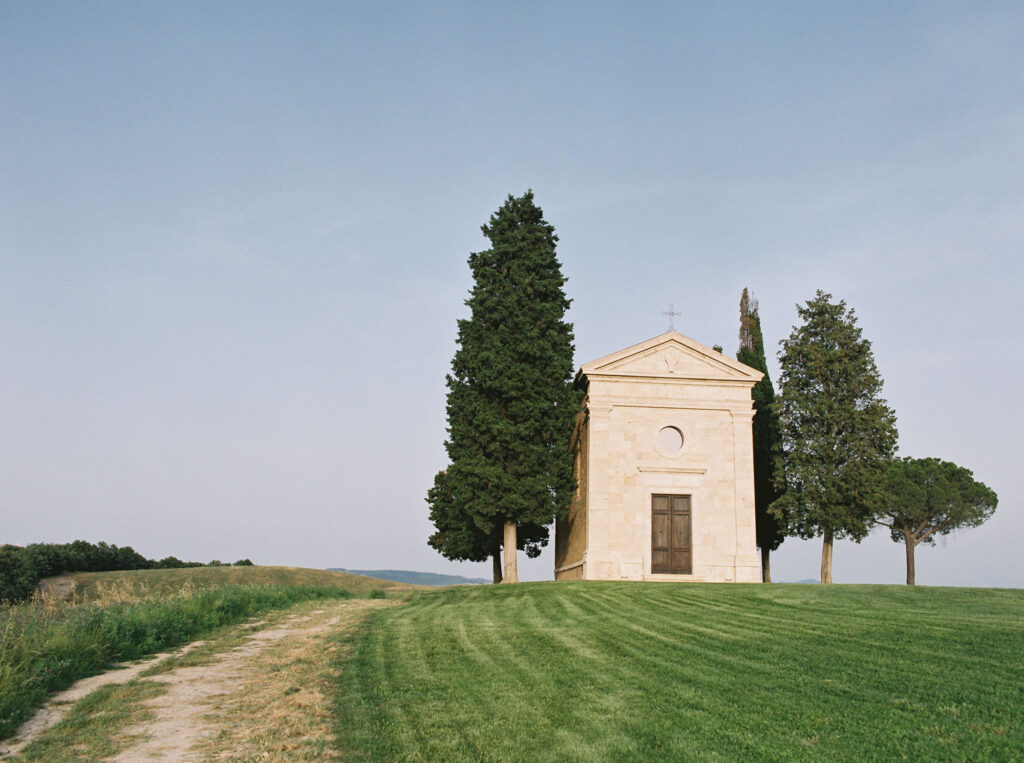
{"type": "Point", "coordinates": [664, 459]}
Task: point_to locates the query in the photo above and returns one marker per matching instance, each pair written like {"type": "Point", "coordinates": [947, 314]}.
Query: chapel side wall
{"type": "Point", "coordinates": [613, 526]}
{"type": "Point", "coordinates": [748, 562]}
{"type": "Point", "coordinates": [571, 532]}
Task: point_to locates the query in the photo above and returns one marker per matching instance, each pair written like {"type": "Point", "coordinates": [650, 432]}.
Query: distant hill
{"type": "Point", "coordinates": [416, 578]}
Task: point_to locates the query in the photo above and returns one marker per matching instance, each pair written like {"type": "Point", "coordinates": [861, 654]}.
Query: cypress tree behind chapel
{"type": "Point", "coordinates": [511, 402]}
{"type": "Point", "coordinates": [767, 438]}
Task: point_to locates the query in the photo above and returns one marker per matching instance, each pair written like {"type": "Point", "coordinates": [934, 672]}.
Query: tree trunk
{"type": "Point", "coordinates": [910, 561]}
{"type": "Point", "coordinates": [511, 571]}
{"type": "Point", "coordinates": [826, 557]}
{"type": "Point", "coordinates": [496, 563]}
{"type": "Point", "coordinates": [766, 566]}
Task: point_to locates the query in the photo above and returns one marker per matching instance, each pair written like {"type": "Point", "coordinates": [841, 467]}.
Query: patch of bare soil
{"type": "Point", "coordinates": [59, 704]}
{"type": "Point", "coordinates": [268, 699]}
{"type": "Point", "coordinates": [283, 710]}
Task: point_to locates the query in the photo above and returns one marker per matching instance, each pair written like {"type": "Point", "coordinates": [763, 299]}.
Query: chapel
{"type": "Point", "coordinates": [664, 460]}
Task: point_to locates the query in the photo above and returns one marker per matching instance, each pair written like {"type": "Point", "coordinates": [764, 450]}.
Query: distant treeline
{"type": "Point", "coordinates": [22, 567]}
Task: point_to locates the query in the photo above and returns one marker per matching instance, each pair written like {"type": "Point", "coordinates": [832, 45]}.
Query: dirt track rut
{"type": "Point", "coordinates": [267, 699]}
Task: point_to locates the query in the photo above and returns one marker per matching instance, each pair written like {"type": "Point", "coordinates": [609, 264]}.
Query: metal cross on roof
{"type": "Point", "coordinates": [671, 314]}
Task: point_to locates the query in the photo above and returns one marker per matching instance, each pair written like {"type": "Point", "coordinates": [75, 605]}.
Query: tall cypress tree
{"type": "Point", "coordinates": [838, 434]}
{"type": "Point", "coordinates": [511, 402]}
{"type": "Point", "coordinates": [767, 439]}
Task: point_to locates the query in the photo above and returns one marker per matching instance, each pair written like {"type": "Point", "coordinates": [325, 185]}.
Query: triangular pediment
{"type": "Point", "coordinates": [671, 356]}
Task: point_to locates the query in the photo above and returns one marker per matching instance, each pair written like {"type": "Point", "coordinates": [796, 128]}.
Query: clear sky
{"type": "Point", "coordinates": [233, 242]}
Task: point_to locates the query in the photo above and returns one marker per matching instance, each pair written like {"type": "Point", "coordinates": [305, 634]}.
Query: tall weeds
{"type": "Point", "coordinates": [46, 645]}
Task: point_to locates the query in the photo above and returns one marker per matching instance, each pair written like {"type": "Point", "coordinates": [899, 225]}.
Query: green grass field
{"type": "Point", "coordinates": [625, 671]}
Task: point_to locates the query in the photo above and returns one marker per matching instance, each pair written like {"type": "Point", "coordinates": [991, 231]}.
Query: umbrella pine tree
{"type": "Point", "coordinates": [927, 498]}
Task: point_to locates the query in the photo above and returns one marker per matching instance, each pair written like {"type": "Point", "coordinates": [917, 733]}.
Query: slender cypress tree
{"type": "Point", "coordinates": [838, 434]}
{"type": "Point", "coordinates": [767, 439]}
{"type": "Point", "coordinates": [511, 403]}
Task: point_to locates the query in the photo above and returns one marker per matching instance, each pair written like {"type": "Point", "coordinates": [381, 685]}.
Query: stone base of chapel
{"type": "Point", "coordinates": [746, 572]}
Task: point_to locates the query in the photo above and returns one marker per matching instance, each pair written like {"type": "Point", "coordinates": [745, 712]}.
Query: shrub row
{"type": "Point", "coordinates": [21, 568]}
{"type": "Point", "coordinates": [45, 647]}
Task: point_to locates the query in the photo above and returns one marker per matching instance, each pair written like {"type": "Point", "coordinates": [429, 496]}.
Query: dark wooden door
{"type": "Point", "coordinates": [671, 541]}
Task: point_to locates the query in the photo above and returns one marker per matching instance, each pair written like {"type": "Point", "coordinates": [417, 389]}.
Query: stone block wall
{"type": "Point", "coordinates": [623, 463]}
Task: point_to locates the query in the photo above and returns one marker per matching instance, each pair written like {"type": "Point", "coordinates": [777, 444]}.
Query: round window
{"type": "Point", "coordinates": [670, 440]}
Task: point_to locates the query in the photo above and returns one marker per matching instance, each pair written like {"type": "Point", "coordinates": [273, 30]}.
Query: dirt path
{"type": "Point", "coordinates": [267, 699]}
{"type": "Point", "coordinates": [59, 704]}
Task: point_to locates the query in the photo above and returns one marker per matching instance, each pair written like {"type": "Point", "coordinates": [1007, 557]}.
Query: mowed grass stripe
{"type": "Point", "coordinates": [607, 698]}
{"type": "Point", "coordinates": [729, 621]}
{"type": "Point", "coordinates": [846, 631]}
{"type": "Point", "coordinates": [505, 696]}
{"type": "Point", "coordinates": [700, 678]}
{"type": "Point", "coordinates": [609, 685]}
{"type": "Point", "coordinates": [424, 660]}
{"type": "Point", "coordinates": [510, 691]}
{"type": "Point", "coordinates": [613, 671]}
{"type": "Point", "coordinates": [615, 688]}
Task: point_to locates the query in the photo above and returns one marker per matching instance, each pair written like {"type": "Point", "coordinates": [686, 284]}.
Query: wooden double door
{"type": "Point", "coordinates": [671, 534]}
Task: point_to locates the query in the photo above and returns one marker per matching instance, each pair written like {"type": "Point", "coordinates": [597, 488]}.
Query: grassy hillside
{"type": "Point", "coordinates": [622, 671]}
{"type": "Point", "coordinates": [46, 644]}
{"type": "Point", "coordinates": [133, 585]}
{"type": "Point", "coordinates": [432, 579]}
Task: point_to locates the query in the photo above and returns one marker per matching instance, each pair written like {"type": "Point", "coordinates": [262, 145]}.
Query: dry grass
{"type": "Point", "coordinates": [135, 585]}
{"type": "Point", "coordinates": [187, 602]}
{"type": "Point", "coordinates": [45, 645]}
{"type": "Point", "coordinates": [90, 729]}
{"type": "Point", "coordinates": [262, 690]}
{"type": "Point", "coordinates": [285, 708]}
{"type": "Point", "coordinates": [122, 590]}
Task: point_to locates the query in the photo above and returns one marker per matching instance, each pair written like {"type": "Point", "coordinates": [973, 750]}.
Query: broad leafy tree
{"type": "Point", "coordinates": [838, 434]}
{"type": "Point", "coordinates": [511, 403]}
{"type": "Point", "coordinates": [18, 579]}
{"type": "Point", "coordinates": [928, 497]}
{"type": "Point", "coordinates": [766, 434]}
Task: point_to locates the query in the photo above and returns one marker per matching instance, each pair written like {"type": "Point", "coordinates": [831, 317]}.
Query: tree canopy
{"type": "Point", "coordinates": [928, 497]}
{"type": "Point", "coordinates": [511, 404]}
{"type": "Point", "coordinates": [838, 433]}
{"type": "Point", "coordinates": [456, 535]}
{"type": "Point", "coordinates": [766, 433]}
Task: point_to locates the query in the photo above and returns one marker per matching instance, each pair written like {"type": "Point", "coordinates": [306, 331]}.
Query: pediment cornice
{"type": "Point", "coordinates": [671, 356]}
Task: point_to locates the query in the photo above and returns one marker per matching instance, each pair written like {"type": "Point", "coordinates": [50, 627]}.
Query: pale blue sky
{"type": "Point", "coordinates": [233, 243]}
